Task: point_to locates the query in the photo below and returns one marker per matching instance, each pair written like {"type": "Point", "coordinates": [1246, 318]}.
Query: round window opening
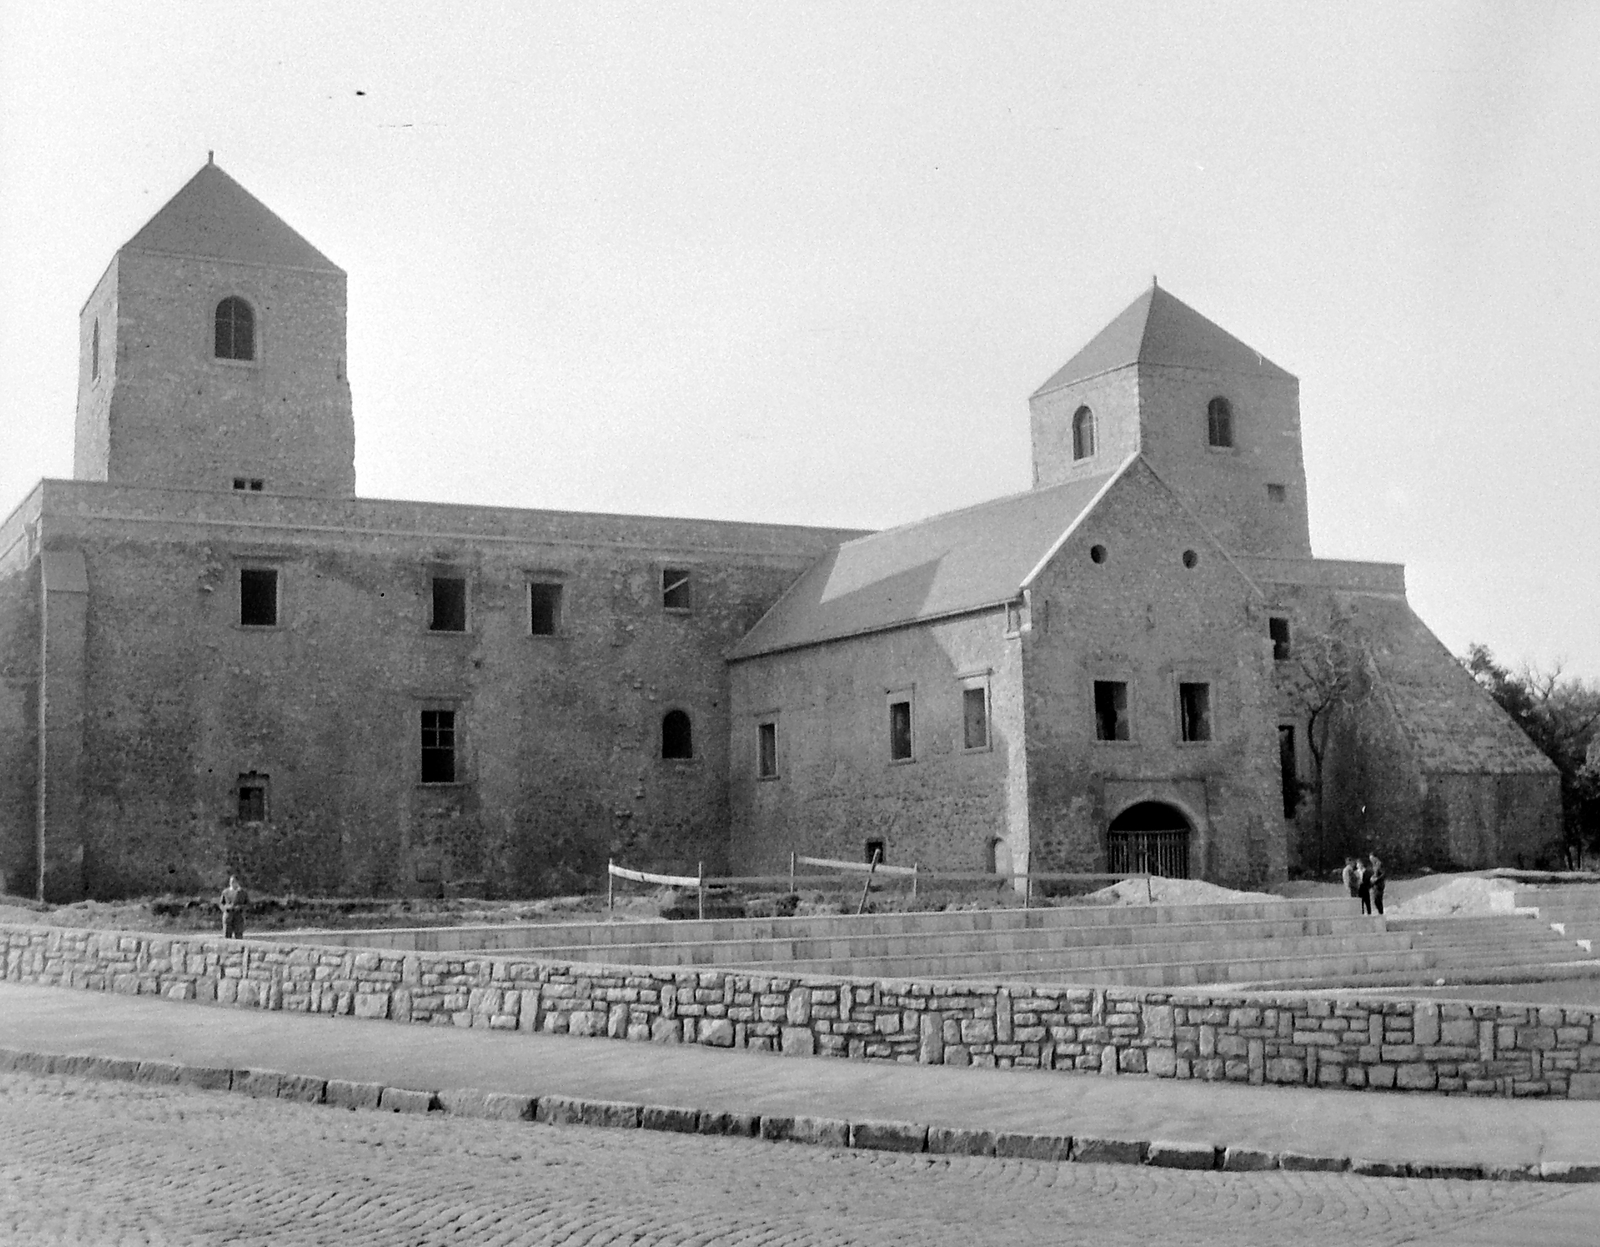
{"type": "Point", "coordinates": [1190, 558]}
{"type": "Point", "coordinates": [1097, 554]}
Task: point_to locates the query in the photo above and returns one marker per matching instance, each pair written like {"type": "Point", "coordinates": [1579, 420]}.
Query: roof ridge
{"type": "Point", "coordinates": [1034, 491]}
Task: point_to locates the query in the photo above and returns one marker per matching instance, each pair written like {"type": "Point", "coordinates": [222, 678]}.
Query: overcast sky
{"type": "Point", "coordinates": [805, 262]}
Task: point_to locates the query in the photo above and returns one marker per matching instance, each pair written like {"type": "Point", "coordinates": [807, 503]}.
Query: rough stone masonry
{"type": "Point", "coordinates": [1317, 1041]}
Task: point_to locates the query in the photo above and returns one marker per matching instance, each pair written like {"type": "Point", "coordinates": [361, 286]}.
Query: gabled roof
{"type": "Point", "coordinates": [215, 218]}
{"type": "Point", "coordinates": [1157, 328]}
{"type": "Point", "coordinates": [945, 565]}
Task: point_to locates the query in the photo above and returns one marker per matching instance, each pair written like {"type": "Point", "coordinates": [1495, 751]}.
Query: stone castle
{"type": "Point", "coordinates": [214, 655]}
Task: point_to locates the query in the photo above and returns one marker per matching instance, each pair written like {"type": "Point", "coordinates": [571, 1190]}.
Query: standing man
{"type": "Point", "coordinates": [1374, 877]}
{"type": "Point", "coordinates": [235, 900]}
{"type": "Point", "coordinates": [1348, 875]}
{"type": "Point", "coordinates": [1364, 885]}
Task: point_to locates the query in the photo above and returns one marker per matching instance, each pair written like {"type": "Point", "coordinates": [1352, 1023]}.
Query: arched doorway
{"type": "Point", "coordinates": [1150, 838]}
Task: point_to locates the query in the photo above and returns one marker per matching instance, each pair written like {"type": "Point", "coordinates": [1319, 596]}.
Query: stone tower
{"type": "Point", "coordinates": [1215, 417]}
{"type": "Point", "coordinates": [212, 354]}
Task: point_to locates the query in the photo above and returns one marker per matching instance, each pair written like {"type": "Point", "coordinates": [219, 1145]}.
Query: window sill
{"type": "Point", "coordinates": [436, 785]}
{"type": "Point", "coordinates": [901, 761]}
{"type": "Point", "coordinates": [1195, 744]}
{"type": "Point", "coordinates": [677, 610]}
{"type": "Point", "coordinates": [244, 627]}
{"type": "Point", "coordinates": [236, 363]}
{"type": "Point", "coordinates": [1222, 450]}
{"type": "Point", "coordinates": [768, 779]}
{"type": "Point", "coordinates": [1116, 744]}
{"type": "Point", "coordinates": [448, 632]}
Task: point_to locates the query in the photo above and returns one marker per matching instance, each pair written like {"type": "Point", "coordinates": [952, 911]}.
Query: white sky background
{"type": "Point", "coordinates": [805, 263]}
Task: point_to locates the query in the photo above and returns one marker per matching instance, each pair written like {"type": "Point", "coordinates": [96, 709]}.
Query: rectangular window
{"type": "Point", "coordinates": [544, 608]}
{"type": "Point", "coordinates": [675, 593]}
{"type": "Point", "coordinates": [251, 483]}
{"type": "Point", "coordinates": [449, 604]}
{"type": "Point", "coordinates": [1013, 618]}
{"type": "Point", "coordinates": [1278, 630]}
{"type": "Point", "coordinates": [258, 597]}
{"type": "Point", "coordinates": [438, 746]}
{"type": "Point", "coordinates": [975, 717]}
{"type": "Point", "coordinates": [900, 731]}
{"type": "Point", "coordinates": [1290, 769]}
{"type": "Point", "coordinates": [767, 750]}
{"type": "Point", "coordinates": [1111, 710]}
{"type": "Point", "coordinates": [1194, 711]}
{"type": "Point", "coordinates": [1277, 493]}
{"type": "Point", "coordinates": [252, 798]}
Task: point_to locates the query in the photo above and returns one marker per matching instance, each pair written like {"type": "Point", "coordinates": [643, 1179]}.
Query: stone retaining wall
{"type": "Point", "coordinates": [1477, 1049]}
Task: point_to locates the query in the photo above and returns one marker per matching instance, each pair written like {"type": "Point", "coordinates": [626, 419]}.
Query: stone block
{"type": "Point", "coordinates": [304, 1088]}
{"type": "Point", "coordinates": [1583, 1086]}
{"type": "Point", "coordinates": [797, 1007]}
{"type": "Point", "coordinates": [403, 1100]}
{"type": "Point", "coordinates": [1442, 1169]}
{"type": "Point", "coordinates": [960, 1141]}
{"type": "Point", "coordinates": [1416, 1077]}
{"type": "Point", "coordinates": [1248, 1160]}
{"type": "Point", "coordinates": [1108, 1151]}
{"type": "Point", "coordinates": [799, 1041]}
{"type": "Point", "coordinates": [889, 1136]}
{"type": "Point", "coordinates": [1425, 1025]}
{"type": "Point", "coordinates": [488, 1105]}
{"type": "Point", "coordinates": [716, 1032]}
{"type": "Point", "coordinates": [671, 1119]}
{"type": "Point", "coordinates": [1023, 1146]}
{"type": "Point", "coordinates": [737, 1125]}
{"type": "Point", "coordinates": [158, 1073]}
{"type": "Point", "coordinates": [1368, 1168]}
{"type": "Point", "coordinates": [1301, 1162]}
{"type": "Point", "coordinates": [1286, 1070]}
{"type": "Point", "coordinates": [821, 1131]}
{"type": "Point", "coordinates": [346, 1094]}
{"type": "Point", "coordinates": [372, 1005]}
{"type": "Point", "coordinates": [1161, 1062]}
{"type": "Point", "coordinates": [613, 1114]}
{"type": "Point", "coordinates": [261, 1083]}
{"type": "Point", "coordinates": [586, 1023]}
{"type": "Point", "coordinates": [1167, 1154]}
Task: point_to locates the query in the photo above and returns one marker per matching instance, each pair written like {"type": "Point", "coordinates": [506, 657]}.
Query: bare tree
{"type": "Point", "coordinates": [1328, 680]}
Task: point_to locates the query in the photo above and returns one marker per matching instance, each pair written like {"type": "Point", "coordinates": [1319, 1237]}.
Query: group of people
{"type": "Point", "coordinates": [1363, 878]}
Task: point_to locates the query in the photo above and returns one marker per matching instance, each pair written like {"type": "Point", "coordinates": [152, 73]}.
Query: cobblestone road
{"type": "Point", "coordinates": [88, 1163]}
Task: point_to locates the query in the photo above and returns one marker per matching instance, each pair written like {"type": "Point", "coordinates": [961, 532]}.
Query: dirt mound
{"type": "Point", "coordinates": [1464, 894]}
{"type": "Point", "coordinates": [1171, 892]}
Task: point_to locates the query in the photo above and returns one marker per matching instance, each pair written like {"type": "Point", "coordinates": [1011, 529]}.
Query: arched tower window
{"type": "Point", "coordinates": [1219, 422]}
{"type": "Point", "coordinates": [236, 329]}
{"type": "Point", "coordinates": [94, 352]}
{"type": "Point", "coordinates": [677, 735]}
{"type": "Point", "coordinates": [1083, 434]}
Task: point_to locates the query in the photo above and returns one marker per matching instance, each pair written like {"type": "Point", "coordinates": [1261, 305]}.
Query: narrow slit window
{"type": "Point", "coordinates": [1083, 434]}
{"type": "Point", "coordinates": [1278, 494]}
{"type": "Point", "coordinates": [900, 731]}
{"type": "Point", "coordinates": [438, 746]}
{"type": "Point", "coordinates": [1219, 422]}
{"type": "Point", "coordinates": [676, 589]}
{"type": "Point", "coordinates": [258, 597]}
{"type": "Point", "coordinates": [767, 750]}
{"type": "Point", "coordinates": [544, 609]}
{"type": "Point", "coordinates": [677, 735]}
{"type": "Point", "coordinates": [252, 793]}
{"type": "Point", "coordinates": [449, 604]}
{"type": "Point", "coordinates": [975, 718]}
{"type": "Point", "coordinates": [1194, 705]}
{"type": "Point", "coordinates": [1278, 629]}
{"type": "Point", "coordinates": [236, 329]}
{"type": "Point", "coordinates": [1289, 767]}
{"type": "Point", "coordinates": [94, 352]}
{"type": "Point", "coordinates": [1111, 710]}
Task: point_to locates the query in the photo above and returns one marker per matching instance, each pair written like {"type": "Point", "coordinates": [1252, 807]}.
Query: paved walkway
{"type": "Point", "coordinates": [1497, 1135]}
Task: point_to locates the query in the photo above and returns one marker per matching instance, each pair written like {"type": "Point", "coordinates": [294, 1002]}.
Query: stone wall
{"type": "Point", "coordinates": [1374, 1044]}
{"type": "Point", "coordinates": [558, 737]}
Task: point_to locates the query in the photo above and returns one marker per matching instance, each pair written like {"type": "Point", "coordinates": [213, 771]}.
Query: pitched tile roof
{"type": "Point", "coordinates": [1457, 728]}
{"type": "Point", "coordinates": [217, 219]}
{"type": "Point", "coordinates": [1157, 328]}
{"type": "Point", "coordinates": [948, 564]}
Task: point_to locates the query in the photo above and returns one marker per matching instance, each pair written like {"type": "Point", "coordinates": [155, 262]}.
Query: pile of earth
{"type": "Point", "coordinates": [1171, 892]}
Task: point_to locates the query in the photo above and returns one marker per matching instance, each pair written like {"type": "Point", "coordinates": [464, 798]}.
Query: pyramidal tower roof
{"type": "Point", "coordinates": [215, 218]}
{"type": "Point", "coordinates": [1157, 328]}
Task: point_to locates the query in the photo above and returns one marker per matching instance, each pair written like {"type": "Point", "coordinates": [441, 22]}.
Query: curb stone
{"type": "Point", "coordinates": [898, 1136]}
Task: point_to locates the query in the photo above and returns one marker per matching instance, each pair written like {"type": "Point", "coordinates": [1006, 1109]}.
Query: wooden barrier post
{"type": "Point", "coordinates": [791, 871]}
{"type": "Point", "coordinates": [1027, 891]}
{"type": "Point", "coordinates": [701, 887]}
{"type": "Point", "coordinates": [876, 858]}
{"type": "Point", "coordinates": [913, 882]}
{"type": "Point", "coordinates": [611, 884]}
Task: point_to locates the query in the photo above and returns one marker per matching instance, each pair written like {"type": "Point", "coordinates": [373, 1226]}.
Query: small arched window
{"type": "Point", "coordinates": [94, 352]}
{"type": "Point", "coordinates": [677, 736]}
{"type": "Point", "coordinates": [1083, 434]}
{"type": "Point", "coordinates": [236, 329]}
{"type": "Point", "coordinates": [1219, 422]}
